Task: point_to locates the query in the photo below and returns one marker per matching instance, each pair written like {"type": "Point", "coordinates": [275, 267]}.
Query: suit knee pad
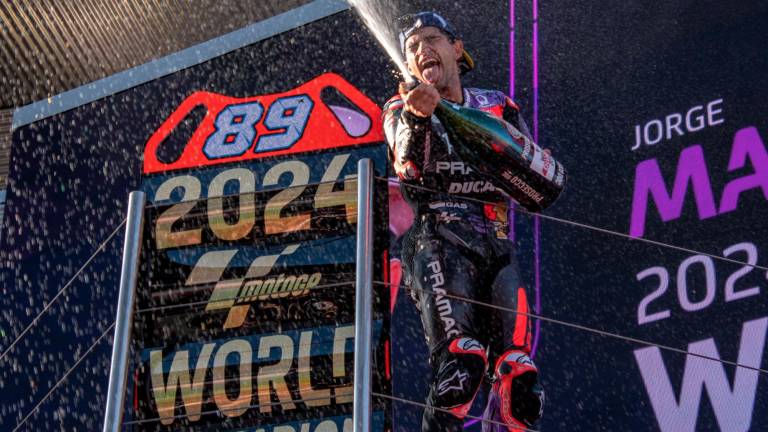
{"type": "Point", "coordinates": [460, 369]}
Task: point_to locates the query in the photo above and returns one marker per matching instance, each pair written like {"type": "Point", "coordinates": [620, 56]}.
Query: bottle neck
{"type": "Point", "coordinates": [447, 105]}
{"type": "Point", "coordinates": [456, 96]}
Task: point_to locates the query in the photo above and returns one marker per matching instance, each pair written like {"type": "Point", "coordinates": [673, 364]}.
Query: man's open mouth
{"type": "Point", "coordinates": [429, 69]}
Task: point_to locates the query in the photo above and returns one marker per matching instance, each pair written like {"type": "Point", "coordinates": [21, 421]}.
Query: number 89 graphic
{"type": "Point", "coordinates": [236, 127]}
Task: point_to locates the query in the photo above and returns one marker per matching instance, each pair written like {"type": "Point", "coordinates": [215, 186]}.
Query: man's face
{"type": "Point", "coordinates": [432, 58]}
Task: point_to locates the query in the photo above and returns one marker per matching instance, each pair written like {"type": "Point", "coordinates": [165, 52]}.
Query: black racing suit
{"type": "Point", "coordinates": [459, 248]}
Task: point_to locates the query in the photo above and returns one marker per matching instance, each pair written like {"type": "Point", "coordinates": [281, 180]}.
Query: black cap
{"type": "Point", "coordinates": [408, 24]}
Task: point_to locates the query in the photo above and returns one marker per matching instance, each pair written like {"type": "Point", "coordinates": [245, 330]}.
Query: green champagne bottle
{"type": "Point", "coordinates": [500, 151]}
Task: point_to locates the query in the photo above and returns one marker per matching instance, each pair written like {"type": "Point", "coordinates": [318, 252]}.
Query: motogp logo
{"type": "Point", "coordinates": [324, 113]}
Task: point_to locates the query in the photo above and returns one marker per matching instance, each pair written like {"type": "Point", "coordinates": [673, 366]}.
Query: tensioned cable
{"type": "Point", "coordinates": [180, 288]}
{"type": "Point", "coordinates": [218, 411]}
{"type": "Point", "coordinates": [425, 406]}
{"type": "Point", "coordinates": [168, 202]}
{"type": "Point", "coordinates": [531, 315]}
{"type": "Point", "coordinates": [576, 326]}
{"type": "Point", "coordinates": [100, 249]}
{"type": "Point", "coordinates": [61, 380]}
{"type": "Point", "coordinates": [518, 208]}
{"type": "Point", "coordinates": [256, 363]}
{"type": "Point", "coordinates": [205, 302]}
{"type": "Point", "coordinates": [304, 400]}
{"type": "Point", "coordinates": [555, 321]}
{"type": "Point", "coordinates": [324, 241]}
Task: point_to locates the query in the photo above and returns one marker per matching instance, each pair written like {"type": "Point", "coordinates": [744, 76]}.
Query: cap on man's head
{"type": "Point", "coordinates": [408, 24]}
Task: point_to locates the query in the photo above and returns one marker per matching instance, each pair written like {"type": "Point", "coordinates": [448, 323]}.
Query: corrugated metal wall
{"type": "Point", "coordinates": [5, 145]}
{"type": "Point", "coordinates": [6, 115]}
{"type": "Point", "coordinates": [50, 46]}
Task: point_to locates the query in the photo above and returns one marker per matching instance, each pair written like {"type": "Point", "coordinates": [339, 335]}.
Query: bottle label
{"type": "Point", "coordinates": [543, 163]}
{"type": "Point", "coordinates": [560, 177]}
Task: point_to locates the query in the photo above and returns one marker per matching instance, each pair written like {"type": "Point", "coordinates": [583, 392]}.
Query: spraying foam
{"type": "Point", "coordinates": [378, 16]}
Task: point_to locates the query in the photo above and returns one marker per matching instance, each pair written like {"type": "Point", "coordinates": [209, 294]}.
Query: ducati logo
{"type": "Point", "coordinates": [478, 186]}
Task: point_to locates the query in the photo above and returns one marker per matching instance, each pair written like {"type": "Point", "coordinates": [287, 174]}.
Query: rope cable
{"type": "Point", "coordinates": [50, 303]}
{"type": "Point", "coordinates": [66, 374]}
{"type": "Point", "coordinates": [426, 406]}
{"type": "Point", "coordinates": [167, 202]}
{"type": "Point", "coordinates": [225, 410]}
{"type": "Point", "coordinates": [577, 326]}
{"type": "Point", "coordinates": [520, 209]}
{"type": "Point", "coordinates": [205, 302]}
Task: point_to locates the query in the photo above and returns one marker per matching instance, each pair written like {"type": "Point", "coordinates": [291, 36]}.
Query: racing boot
{"type": "Point", "coordinates": [516, 399]}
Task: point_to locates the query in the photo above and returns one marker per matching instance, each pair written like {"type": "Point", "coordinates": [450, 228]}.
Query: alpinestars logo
{"type": "Point", "coordinates": [454, 383]}
{"type": "Point", "coordinates": [519, 357]}
{"type": "Point", "coordinates": [469, 344]}
{"type": "Point", "coordinates": [237, 294]}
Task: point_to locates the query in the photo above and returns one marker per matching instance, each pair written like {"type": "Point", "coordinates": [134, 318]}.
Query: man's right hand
{"type": "Point", "coordinates": [420, 100]}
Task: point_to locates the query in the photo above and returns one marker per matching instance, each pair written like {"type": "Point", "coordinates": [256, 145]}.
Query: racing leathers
{"type": "Point", "coordinates": [458, 248]}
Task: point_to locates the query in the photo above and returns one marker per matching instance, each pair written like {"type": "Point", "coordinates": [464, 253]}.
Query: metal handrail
{"type": "Point", "coordinates": [118, 371]}
{"type": "Point", "coordinates": [363, 298]}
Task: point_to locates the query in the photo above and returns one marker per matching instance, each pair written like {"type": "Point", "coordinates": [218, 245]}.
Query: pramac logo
{"type": "Point", "coordinates": [326, 112]}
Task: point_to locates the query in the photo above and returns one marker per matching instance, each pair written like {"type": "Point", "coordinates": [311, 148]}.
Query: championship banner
{"type": "Point", "coordinates": [246, 298]}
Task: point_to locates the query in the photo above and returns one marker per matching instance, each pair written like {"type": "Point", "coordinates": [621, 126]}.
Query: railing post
{"type": "Point", "coordinates": [118, 372]}
{"type": "Point", "coordinates": [363, 297]}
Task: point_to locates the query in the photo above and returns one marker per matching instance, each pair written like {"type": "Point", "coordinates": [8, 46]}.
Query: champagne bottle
{"type": "Point", "coordinates": [500, 151]}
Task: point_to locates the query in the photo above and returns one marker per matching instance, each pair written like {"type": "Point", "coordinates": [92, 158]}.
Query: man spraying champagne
{"type": "Point", "coordinates": [459, 247]}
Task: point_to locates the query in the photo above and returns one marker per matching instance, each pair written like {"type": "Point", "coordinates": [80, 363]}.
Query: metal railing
{"type": "Point", "coordinates": [363, 316]}
{"type": "Point", "coordinates": [363, 297]}
{"type": "Point", "coordinates": [118, 371]}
